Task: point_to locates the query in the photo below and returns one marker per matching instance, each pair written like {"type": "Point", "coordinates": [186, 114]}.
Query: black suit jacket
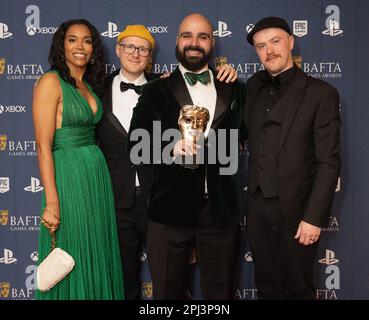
{"type": "Point", "coordinates": [112, 139]}
{"type": "Point", "coordinates": [177, 194]}
{"type": "Point", "coordinates": [308, 158]}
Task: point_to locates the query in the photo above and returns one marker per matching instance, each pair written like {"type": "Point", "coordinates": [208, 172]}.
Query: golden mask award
{"type": "Point", "coordinates": [192, 124]}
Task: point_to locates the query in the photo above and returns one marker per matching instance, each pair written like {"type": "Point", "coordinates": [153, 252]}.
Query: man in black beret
{"type": "Point", "coordinates": [293, 130]}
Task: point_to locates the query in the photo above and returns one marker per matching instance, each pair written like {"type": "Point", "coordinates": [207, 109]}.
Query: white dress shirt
{"type": "Point", "coordinates": [202, 95]}
{"type": "Point", "coordinates": [124, 102]}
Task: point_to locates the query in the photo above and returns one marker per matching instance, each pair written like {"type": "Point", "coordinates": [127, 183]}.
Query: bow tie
{"type": "Point", "coordinates": [125, 86]}
{"type": "Point", "coordinates": [192, 78]}
{"type": "Point", "coordinates": [268, 80]}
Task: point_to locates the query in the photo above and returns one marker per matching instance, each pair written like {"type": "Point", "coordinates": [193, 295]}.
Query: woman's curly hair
{"type": "Point", "coordinates": [95, 73]}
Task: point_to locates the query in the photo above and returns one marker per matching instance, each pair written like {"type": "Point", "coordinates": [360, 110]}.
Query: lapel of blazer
{"type": "Point", "coordinates": [179, 89]}
{"type": "Point", "coordinates": [107, 96]}
{"type": "Point", "coordinates": [108, 105]}
{"type": "Point", "coordinates": [292, 102]}
{"type": "Point", "coordinates": [115, 122]}
{"type": "Point", "coordinates": [224, 92]}
{"type": "Point", "coordinates": [251, 95]}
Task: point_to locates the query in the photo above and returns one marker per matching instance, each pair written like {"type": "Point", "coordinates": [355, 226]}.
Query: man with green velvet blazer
{"type": "Point", "coordinates": [192, 208]}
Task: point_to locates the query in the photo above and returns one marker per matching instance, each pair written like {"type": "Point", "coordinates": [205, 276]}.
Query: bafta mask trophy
{"type": "Point", "coordinates": [192, 124]}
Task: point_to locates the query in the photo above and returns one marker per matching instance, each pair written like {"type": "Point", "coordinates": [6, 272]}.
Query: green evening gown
{"type": "Point", "coordinates": [88, 230]}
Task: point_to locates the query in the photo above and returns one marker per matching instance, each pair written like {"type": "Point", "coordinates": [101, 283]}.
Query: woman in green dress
{"type": "Point", "coordinates": [78, 197]}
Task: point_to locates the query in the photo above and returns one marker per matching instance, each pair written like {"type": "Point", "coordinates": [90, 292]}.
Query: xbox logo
{"type": "Point", "coordinates": [34, 256]}
{"type": "Point", "coordinates": [248, 257]}
{"type": "Point", "coordinates": [1, 109]}
{"type": "Point", "coordinates": [31, 30]}
{"type": "Point", "coordinates": [142, 256]}
{"type": "Point", "coordinates": [249, 27]}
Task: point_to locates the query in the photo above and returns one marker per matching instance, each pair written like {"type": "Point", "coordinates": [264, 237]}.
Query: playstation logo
{"type": "Point", "coordinates": [112, 30]}
{"type": "Point", "coordinates": [222, 30]}
{"type": "Point", "coordinates": [4, 31]}
{"type": "Point", "coordinates": [8, 257]}
{"type": "Point", "coordinates": [35, 186]}
{"type": "Point", "coordinates": [332, 23]}
{"type": "Point", "coordinates": [329, 258]}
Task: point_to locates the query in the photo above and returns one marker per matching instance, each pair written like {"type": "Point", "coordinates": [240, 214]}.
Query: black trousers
{"type": "Point", "coordinates": [284, 269]}
{"type": "Point", "coordinates": [169, 250]}
{"type": "Point", "coordinates": [132, 233]}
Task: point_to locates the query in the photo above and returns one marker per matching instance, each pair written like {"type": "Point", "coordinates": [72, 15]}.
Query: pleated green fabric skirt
{"type": "Point", "coordinates": [88, 230]}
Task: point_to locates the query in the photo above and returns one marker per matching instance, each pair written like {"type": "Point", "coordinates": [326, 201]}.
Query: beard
{"type": "Point", "coordinates": [193, 63]}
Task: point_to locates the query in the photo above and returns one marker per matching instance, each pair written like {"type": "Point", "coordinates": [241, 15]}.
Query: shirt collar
{"type": "Point", "coordinates": [183, 69]}
{"type": "Point", "coordinates": [286, 77]}
{"type": "Point", "coordinates": [138, 82]}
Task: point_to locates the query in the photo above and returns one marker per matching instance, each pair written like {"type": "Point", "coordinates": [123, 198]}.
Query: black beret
{"type": "Point", "coordinates": [269, 22]}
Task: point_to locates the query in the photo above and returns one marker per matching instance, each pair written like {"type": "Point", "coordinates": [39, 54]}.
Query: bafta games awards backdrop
{"type": "Point", "coordinates": [332, 43]}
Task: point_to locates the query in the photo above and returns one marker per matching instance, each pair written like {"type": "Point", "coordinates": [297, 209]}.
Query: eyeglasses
{"type": "Point", "coordinates": [130, 49]}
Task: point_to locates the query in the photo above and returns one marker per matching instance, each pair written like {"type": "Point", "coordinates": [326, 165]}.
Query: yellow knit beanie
{"type": "Point", "coordinates": [137, 30]}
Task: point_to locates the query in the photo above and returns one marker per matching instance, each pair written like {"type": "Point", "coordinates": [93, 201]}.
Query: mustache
{"type": "Point", "coordinates": [193, 48]}
{"type": "Point", "coordinates": [273, 56]}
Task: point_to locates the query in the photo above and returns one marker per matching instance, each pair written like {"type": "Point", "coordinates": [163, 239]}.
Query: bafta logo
{"type": "Point", "coordinates": [297, 60]}
{"type": "Point", "coordinates": [220, 61]}
{"type": "Point", "coordinates": [147, 289]}
{"type": "Point", "coordinates": [4, 217]}
{"type": "Point", "coordinates": [4, 289]}
{"type": "Point", "coordinates": [3, 138]}
{"type": "Point", "coordinates": [2, 65]}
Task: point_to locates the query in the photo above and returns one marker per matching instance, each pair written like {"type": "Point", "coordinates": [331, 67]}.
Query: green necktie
{"type": "Point", "coordinates": [192, 78]}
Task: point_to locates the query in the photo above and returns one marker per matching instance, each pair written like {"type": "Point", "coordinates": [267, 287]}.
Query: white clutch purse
{"type": "Point", "coordinates": [55, 266]}
{"type": "Point", "coordinates": [53, 269]}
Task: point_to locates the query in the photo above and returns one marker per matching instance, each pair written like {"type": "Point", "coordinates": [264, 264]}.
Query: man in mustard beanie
{"type": "Point", "coordinates": [137, 30]}
{"type": "Point", "coordinates": [131, 184]}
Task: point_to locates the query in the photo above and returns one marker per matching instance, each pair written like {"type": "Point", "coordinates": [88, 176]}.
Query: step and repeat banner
{"type": "Point", "coordinates": [332, 43]}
